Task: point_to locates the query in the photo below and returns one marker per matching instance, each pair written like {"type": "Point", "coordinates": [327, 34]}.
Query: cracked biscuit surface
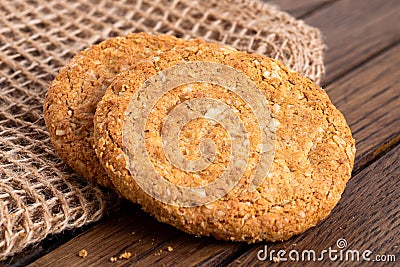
{"type": "Point", "coordinates": [72, 98]}
{"type": "Point", "coordinates": [313, 160]}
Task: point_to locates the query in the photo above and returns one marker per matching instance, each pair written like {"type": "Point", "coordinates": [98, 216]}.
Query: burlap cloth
{"type": "Point", "coordinates": [39, 194]}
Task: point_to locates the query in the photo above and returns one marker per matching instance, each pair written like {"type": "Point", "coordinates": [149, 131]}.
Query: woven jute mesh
{"type": "Point", "coordinates": [39, 194]}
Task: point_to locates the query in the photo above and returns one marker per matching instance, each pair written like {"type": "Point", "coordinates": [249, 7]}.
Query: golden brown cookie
{"type": "Point", "coordinates": [313, 149]}
{"type": "Point", "coordinates": [71, 101]}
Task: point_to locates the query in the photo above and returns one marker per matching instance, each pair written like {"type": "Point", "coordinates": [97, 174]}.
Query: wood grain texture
{"type": "Point", "coordinates": [370, 99]}
{"type": "Point", "coordinates": [299, 8]}
{"type": "Point", "coordinates": [368, 217]}
{"type": "Point", "coordinates": [374, 87]}
{"type": "Point", "coordinates": [363, 82]}
{"type": "Point", "coordinates": [354, 31]}
{"type": "Point", "coordinates": [134, 231]}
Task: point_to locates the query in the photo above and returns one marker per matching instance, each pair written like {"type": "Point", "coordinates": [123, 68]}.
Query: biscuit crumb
{"type": "Point", "coordinates": [83, 253]}
{"type": "Point", "coordinates": [266, 74]}
{"type": "Point", "coordinates": [125, 255]}
{"type": "Point", "coordinates": [275, 259]}
{"type": "Point", "coordinates": [60, 132]}
{"type": "Point", "coordinates": [170, 249]}
{"type": "Point", "coordinates": [113, 259]}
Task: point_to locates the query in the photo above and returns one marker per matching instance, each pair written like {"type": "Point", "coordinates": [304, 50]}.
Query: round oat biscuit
{"type": "Point", "coordinates": [313, 156]}
{"type": "Point", "coordinates": [71, 101]}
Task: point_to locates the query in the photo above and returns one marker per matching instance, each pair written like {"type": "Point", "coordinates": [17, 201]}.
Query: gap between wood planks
{"type": "Point", "coordinates": [368, 96]}
{"type": "Point", "coordinates": [376, 230]}
{"type": "Point", "coordinates": [354, 31]}
{"type": "Point", "coordinates": [380, 73]}
{"type": "Point", "coordinates": [299, 8]}
{"type": "Point", "coordinates": [230, 252]}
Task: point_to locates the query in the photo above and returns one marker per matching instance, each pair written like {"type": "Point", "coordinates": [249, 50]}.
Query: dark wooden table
{"type": "Point", "coordinates": [363, 81]}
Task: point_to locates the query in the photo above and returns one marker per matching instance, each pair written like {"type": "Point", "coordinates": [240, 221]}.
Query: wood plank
{"type": "Point", "coordinates": [131, 230]}
{"type": "Point", "coordinates": [299, 8]}
{"type": "Point", "coordinates": [377, 79]}
{"type": "Point", "coordinates": [370, 99]}
{"type": "Point", "coordinates": [354, 31]}
{"type": "Point", "coordinates": [374, 87]}
{"type": "Point", "coordinates": [367, 217]}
